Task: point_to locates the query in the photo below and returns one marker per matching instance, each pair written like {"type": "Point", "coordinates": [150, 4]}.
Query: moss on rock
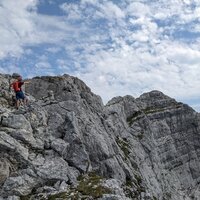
{"type": "Point", "coordinates": [89, 185]}
{"type": "Point", "coordinates": [124, 146]}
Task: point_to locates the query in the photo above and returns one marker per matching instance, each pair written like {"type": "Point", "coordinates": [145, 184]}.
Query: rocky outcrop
{"type": "Point", "coordinates": [67, 145]}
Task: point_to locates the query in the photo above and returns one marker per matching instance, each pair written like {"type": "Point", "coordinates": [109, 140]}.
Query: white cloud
{"type": "Point", "coordinates": [138, 9]}
{"type": "Point", "coordinates": [53, 49]}
{"type": "Point", "coordinates": [43, 65]}
{"type": "Point", "coordinates": [25, 26]}
{"type": "Point", "coordinates": [121, 47]}
{"type": "Point", "coordinates": [72, 10]}
{"type": "Point", "coordinates": [109, 10]}
{"type": "Point", "coordinates": [14, 27]}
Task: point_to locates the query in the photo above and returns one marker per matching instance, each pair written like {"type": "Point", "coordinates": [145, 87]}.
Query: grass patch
{"type": "Point", "coordinates": [89, 186]}
{"type": "Point", "coordinates": [124, 146]}
{"type": "Point", "coordinates": [150, 110]}
{"type": "Point", "coordinates": [138, 179]}
{"type": "Point", "coordinates": [25, 197]}
{"type": "Point", "coordinates": [63, 195]}
{"type": "Point", "coordinates": [167, 196]}
{"type": "Point", "coordinates": [133, 189]}
{"type": "Point", "coordinates": [139, 114]}
{"type": "Point", "coordinates": [138, 182]}
{"type": "Point", "coordinates": [71, 194]}
{"type": "Point", "coordinates": [133, 117]}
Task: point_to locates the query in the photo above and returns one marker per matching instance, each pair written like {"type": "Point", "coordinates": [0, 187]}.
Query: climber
{"type": "Point", "coordinates": [20, 97]}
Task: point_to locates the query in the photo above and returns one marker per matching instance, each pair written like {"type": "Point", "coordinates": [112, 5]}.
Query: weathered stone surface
{"type": "Point", "coordinates": [13, 198]}
{"type": "Point", "coordinates": [60, 146]}
{"type": "Point", "coordinates": [163, 133]}
{"type": "Point", "coordinates": [19, 185]}
{"type": "Point", "coordinates": [4, 170]}
{"type": "Point", "coordinates": [53, 168]}
{"type": "Point", "coordinates": [116, 187]}
{"type": "Point", "coordinates": [16, 122]}
{"type": "Point", "coordinates": [144, 148]}
{"type": "Point", "coordinates": [9, 144]}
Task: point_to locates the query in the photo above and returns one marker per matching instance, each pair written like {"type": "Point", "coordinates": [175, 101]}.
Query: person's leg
{"type": "Point", "coordinates": [25, 100]}
{"type": "Point", "coordinates": [17, 103]}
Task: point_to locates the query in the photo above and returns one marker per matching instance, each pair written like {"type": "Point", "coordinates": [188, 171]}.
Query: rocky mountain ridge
{"type": "Point", "coordinates": [67, 145]}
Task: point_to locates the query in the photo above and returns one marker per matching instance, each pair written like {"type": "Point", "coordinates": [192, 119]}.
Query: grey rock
{"type": "Point", "coordinates": [73, 175]}
{"type": "Point", "coordinates": [16, 122]}
{"type": "Point", "coordinates": [142, 148]}
{"type": "Point", "coordinates": [19, 185]}
{"type": "Point", "coordinates": [37, 116]}
{"type": "Point", "coordinates": [61, 186]}
{"type": "Point", "coordinates": [46, 189]}
{"type": "Point", "coordinates": [59, 146]}
{"type": "Point", "coordinates": [13, 198]}
{"type": "Point", "coordinates": [7, 143]}
{"type": "Point", "coordinates": [115, 186]}
{"type": "Point", "coordinates": [53, 168]}
{"type": "Point", "coordinates": [4, 170]}
{"type": "Point", "coordinates": [24, 136]}
{"type": "Point", "coordinates": [113, 197]}
{"type": "Point", "coordinates": [77, 156]}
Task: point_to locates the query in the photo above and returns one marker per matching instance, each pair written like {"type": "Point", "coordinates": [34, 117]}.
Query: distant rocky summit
{"type": "Point", "coordinates": [67, 145]}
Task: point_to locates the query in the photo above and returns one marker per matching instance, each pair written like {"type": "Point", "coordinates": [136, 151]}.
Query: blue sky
{"type": "Point", "coordinates": [117, 47]}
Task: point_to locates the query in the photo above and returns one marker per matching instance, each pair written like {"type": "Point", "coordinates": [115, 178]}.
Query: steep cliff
{"type": "Point", "coordinates": [67, 145]}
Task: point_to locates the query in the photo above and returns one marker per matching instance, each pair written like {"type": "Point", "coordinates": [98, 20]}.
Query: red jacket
{"type": "Point", "coordinates": [17, 85]}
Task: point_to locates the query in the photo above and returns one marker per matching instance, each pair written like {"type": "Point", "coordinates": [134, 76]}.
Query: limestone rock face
{"type": "Point", "coordinates": [4, 170]}
{"type": "Point", "coordinates": [66, 144]}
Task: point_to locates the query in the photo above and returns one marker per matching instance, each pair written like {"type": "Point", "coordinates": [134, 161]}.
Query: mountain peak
{"type": "Point", "coordinates": [66, 144]}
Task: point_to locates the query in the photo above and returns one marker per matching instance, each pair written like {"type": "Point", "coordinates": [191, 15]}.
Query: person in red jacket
{"type": "Point", "coordinates": [18, 91]}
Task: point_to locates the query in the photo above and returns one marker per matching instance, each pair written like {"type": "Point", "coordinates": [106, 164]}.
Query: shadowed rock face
{"type": "Point", "coordinates": [68, 145]}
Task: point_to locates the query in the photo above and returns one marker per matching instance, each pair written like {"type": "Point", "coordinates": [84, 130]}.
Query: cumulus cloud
{"type": "Point", "coordinates": [121, 47]}
{"type": "Point", "coordinates": [14, 27]}
{"type": "Point", "coordinates": [25, 27]}
{"type": "Point", "coordinates": [144, 55]}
